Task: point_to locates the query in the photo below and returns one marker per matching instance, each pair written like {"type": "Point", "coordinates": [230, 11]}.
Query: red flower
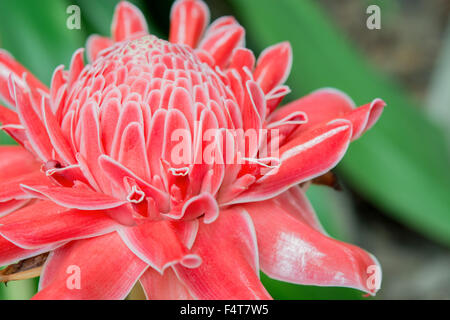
{"type": "Point", "coordinates": [101, 182]}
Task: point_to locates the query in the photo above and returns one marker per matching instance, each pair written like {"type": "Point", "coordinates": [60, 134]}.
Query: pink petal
{"type": "Point", "coordinates": [10, 253]}
{"type": "Point", "coordinates": [108, 270]}
{"type": "Point", "coordinates": [128, 22]}
{"type": "Point", "coordinates": [18, 133]}
{"type": "Point", "coordinates": [58, 91]}
{"type": "Point", "coordinates": [207, 123]}
{"type": "Point", "coordinates": [95, 44]}
{"type": "Point", "coordinates": [130, 112]}
{"type": "Point", "coordinates": [90, 145]}
{"type": "Point", "coordinates": [157, 244]}
{"type": "Point", "coordinates": [66, 176]}
{"type": "Point", "coordinates": [221, 43]}
{"type": "Point", "coordinates": [57, 138]}
{"type": "Point", "coordinates": [176, 123]}
{"type": "Point", "coordinates": [35, 128]}
{"type": "Point", "coordinates": [163, 287]}
{"type": "Point", "coordinates": [181, 100]}
{"type": "Point", "coordinates": [273, 66]}
{"type": "Point", "coordinates": [202, 204]}
{"type": "Point", "coordinates": [133, 153]}
{"type": "Point", "coordinates": [116, 172]}
{"type": "Point", "coordinates": [45, 223]}
{"type": "Point", "coordinates": [293, 251]}
{"type": "Point", "coordinates": [230, 260]}
{"type": "Point", "coordinates": [7, 116]}
{"type": "Point", "coordinates": [8, 66]}
{"type": "Point", "coordinates": [327, 104]}
{"type": "Point", "coordinates": [320, 106]}
{"type": "Point", "coordinates": [220, 23]}
{"type": "Point", "coordinates": [254, 110]}
{"type": "Point", "coordinates": [242, 57]}
{"type": "Point", "coordinates": [81, 198]}
{"type": "Point", "coordinates": [76, 66]}
{"type": "Point", "coordinates": [275, 96]}
{"type": "Point", "coordinates": [11, 188]}
{"type": "Point", "coordinates": [186, 231]}
{"type": "Point", "coordinates": [308, 156]}
{"type": "Point", "coordinates": [109, 115]}
{"type": "Point", "coordinates": [156, 136]}
{"type": "Point", "coordinates": [16, 161]}
{"type": "Point", "coordinates": [11, 205]}
{"type": "Point", "coordinates": [188, 20]}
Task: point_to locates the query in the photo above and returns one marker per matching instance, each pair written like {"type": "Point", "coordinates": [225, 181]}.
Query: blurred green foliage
{"type": "Point", "coordinates": [401, 166]}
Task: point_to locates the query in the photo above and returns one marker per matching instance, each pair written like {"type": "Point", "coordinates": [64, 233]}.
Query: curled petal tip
{"type": "Point", "coordinates": [191, 261]}
{"type": "Point", "coordinates": [377, 106]}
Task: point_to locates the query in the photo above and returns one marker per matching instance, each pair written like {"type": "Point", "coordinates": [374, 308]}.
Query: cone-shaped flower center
{"type": "Point", "coordinates": [147, 71]}
{"type": "Point", "coordinates": [147, 104]}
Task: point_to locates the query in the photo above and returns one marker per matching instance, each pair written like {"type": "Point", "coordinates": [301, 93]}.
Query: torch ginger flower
{"type": "Point", "coordinates": [95, 182]}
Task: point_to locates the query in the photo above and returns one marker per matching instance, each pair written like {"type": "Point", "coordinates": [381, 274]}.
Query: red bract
{"type": "Point", "coordinates": [95, 181]}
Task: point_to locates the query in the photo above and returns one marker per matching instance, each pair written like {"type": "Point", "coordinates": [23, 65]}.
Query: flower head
{"type": "Point", "coordinates": [168, 162]}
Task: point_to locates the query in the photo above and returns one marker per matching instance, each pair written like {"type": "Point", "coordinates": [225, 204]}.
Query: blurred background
{"type": "Point", "coordinates": [395, 200]}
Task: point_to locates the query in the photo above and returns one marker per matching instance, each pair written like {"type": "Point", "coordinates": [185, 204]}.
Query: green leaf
{"type": "Point", "coordinates": [5, 139]}
{"type": "Point", "coordinates": [35, 32]}
{"type": "Point", "coordinates": [19, 290]}
{"type": "Point", "coordinates": [286, 291]}
{"type": "Point", "coordinates": [334, 211]}
{"type": "Point", "coordinates": [401, 164]}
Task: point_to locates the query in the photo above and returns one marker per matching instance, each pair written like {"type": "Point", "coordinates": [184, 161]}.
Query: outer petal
{"type": "Point", "coordinates": [273, 66]}
{"type": "Point", "coordinates": [242, 57]}
{"type": "Point", "coordinates": [35, 128]}
{"type": "Point", "coordinates": [310, 155]}
{"type": "Point", "coordinates": [327, 104]}
{"type": "Point", "coordinates": [163, 287]}
{"type": "Point", "coordinates": [8, 116]}
{"type": "Point", "coordinates": [321, 105]}
{"type": "Point", "coordinates": [81, 198]}
{"type": "Point", "coordinates": [56, 136]}
{"type": "Point", "coordinates": [157, 244]}
{"type": "Point", "coordinates": [10, 206]}
{"type": "Point", "coordinates": [128, 22]}
{"type": "Point", "coordinates": [188, 20]}
{"type": "Point", "coordinates": [11, 188]}
{"type": "Point", "coordinates": [45, 223]}
{"type": "Point", "coordinates": [8, 66]}
{"type": "Point", "coordinates": [10, 253]}
{"type": "Point", "coordinates": [108, 270]}
{"type": "Point", "coordinates": [230, 260]}
{"type": "Point", "coordinates": [221, 42]}
{"type": "Point", "coordinates": [293, 251]}
{"type": "Point", "coordinates": [16, 161]}
{"type": "Point", "coordinates": [95, 44]}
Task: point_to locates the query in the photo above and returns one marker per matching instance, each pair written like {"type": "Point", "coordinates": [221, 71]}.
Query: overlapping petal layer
{"type": "Point", "coordinates": [225, 244]}
{"type": "Point", "coordinates": [100, 268]}
{"type": "Point", "coordinates": [292, 248]}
